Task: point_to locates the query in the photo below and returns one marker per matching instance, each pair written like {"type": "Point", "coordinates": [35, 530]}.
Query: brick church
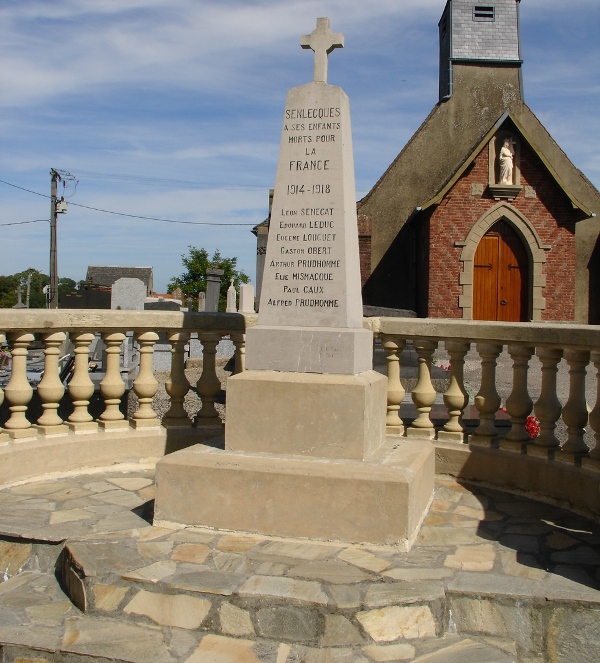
{"type": "Point", "coordinates": [482, 216]}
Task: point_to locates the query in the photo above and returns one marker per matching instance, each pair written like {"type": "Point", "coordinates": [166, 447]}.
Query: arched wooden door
{"type": "Point", "coordinates": [501, 276]}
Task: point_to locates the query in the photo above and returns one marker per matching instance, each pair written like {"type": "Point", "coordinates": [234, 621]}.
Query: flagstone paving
{"type": "Point", "coordinates": [492, 577]}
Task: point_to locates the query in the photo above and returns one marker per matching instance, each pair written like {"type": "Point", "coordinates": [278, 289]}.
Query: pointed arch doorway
{"type": "Point", "coordinates": [501, 276]}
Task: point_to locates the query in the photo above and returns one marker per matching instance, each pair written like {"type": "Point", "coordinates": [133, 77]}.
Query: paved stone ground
{"type": "Point", "coordinates": [492, 578]}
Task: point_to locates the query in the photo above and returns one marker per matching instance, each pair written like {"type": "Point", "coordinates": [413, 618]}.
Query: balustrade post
{"type": "Point", "coordinates": [3, 435]}
{"type": "Point", "coordinates": [145, 384]}
{"type": "Point", "coordinates": [575, 414]}
{"type": "Point", "coordinates": [177, 386]}
{"type": "Point", "coordinates": [423, 395]}
{"type": "Point", "coordinates": [208, 384]}
{"type": "Point", "coordinates": [519, 403]}
{"type": "Point", "coordinates": [81, 387]}
{"type": "Point", "coordinates": [18, 391]}
{"type": "Point", "coordinates": [595, 413]}
{"type": "Point", "coordinates": [112, 386]}
{"type": "Point", "coordinates": [547, 408]}
{"type": "Point", "coordinates": [393, 346]}
{"type": "Point", "coordinates": [487, 400]}
{"type": "Point", "coordinates": [50, 389]}
{"type": "Point", "coordinates": [239, 340]}
{"type": "Point", "coordinates": [456, 397]}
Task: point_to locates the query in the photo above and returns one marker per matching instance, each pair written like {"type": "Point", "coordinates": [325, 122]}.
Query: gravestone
{"type": "Point", "coordinates": [128, 294]}
{"type": "Point", "coordinates": [231, 299]}
{"type": "Point", "coordinates": [306, 454]}
{"type": "Point", "coordinates": [201, 302]}
{"type": "Point", "coordinates": [246, 298]}
{"type": "Point", "coordinates": [213, 288]}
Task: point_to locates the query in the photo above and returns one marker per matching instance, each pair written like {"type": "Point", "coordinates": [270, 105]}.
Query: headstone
{"type": "Point", "coordinates": [306, 454]}
{"type": "Point", "coordinates": [128, 294]}
{"type": "Point", "coordinates": [213, 288]}
{"type": "Point", "coordinates": [246, 298]}
{"type": "Point", "coordinates": [201, 302]}
{"type": "Point", "coordinates": [231, 298]}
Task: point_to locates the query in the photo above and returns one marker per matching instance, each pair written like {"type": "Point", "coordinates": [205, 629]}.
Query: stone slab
{"type": "Point", "coordinates": [309, 349]}
{"type": "Point", "coordinates": [300, 414]}
{"type": "Point", "coordinates": [291, 496]}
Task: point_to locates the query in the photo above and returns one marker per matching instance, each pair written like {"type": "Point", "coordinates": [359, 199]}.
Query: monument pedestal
{"type": "Point", "coordinates": [306, 414]}
{"type": "Point", "coordinates": [305, 456]}
{"type": "Point", "coordinates": [381, 501]}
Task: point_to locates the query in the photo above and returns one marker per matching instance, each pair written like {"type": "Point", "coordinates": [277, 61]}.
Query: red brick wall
{"type": "Point", "coordinates": [550, 212]}
{"type": "Point", "coordinates": [364, 247]}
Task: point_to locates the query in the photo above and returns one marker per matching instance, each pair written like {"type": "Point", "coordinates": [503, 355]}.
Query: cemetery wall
{"type": "Point", "coordinates": [550, 212]}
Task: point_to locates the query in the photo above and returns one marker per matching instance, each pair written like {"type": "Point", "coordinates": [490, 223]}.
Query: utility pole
{"type": "Point", "coordinates": [53, 289]}
{"type": "Point", "coordinates": [28, 288]}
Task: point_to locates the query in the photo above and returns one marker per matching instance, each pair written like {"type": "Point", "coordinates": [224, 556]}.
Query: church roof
{"type": "Point", "coordinates": [508, 116]}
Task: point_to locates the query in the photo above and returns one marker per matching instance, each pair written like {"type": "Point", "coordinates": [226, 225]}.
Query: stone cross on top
{"type": "Point", "coordinates": [322, 41]}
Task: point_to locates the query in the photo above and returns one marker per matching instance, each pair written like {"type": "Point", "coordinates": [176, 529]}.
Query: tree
{"type": "Point", "coordinates": [193, 280]}
{"type": "Point", "coordinates": [9, 285]}
{"type": "Point", "coordinates": [66, 284]}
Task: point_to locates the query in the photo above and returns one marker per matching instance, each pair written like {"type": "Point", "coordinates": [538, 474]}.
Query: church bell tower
{"type": "Point", "coordinates": [478, 34]}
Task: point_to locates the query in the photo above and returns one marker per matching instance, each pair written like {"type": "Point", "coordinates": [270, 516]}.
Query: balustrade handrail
{"type": "Point", "coordinates": [71, 320]}
{"type": "Point", "coordinates": [549, 334]}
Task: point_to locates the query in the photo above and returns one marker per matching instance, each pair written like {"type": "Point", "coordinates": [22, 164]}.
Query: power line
{"type": "Point", "coordinates": [130, 216]}
{"type": "Point", "coordinates": [20, 223]}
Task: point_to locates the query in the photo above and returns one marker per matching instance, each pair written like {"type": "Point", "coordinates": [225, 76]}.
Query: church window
{"type": "Point", "coordinates": [484, 13]}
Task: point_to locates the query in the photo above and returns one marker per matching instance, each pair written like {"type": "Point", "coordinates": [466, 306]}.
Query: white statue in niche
{"type": "Point", "coordinates": [506, 159]}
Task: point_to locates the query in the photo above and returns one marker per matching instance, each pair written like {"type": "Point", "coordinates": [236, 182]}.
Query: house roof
{"type": "Point", "coordinates": [106, 275]}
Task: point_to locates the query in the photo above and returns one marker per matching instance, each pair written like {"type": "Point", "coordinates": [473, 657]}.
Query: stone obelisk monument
{"type": "Point", "coordinates": [306, 453]}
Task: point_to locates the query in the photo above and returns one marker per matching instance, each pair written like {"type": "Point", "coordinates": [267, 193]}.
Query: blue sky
{"type": "Point", "coordinates": [172, 109]}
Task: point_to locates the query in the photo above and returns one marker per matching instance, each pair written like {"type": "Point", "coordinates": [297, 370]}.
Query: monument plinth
{"type": "Point", "coordinates": [306, 453]}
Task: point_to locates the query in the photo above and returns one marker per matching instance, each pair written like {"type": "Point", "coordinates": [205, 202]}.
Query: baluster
{"type": "Point", "coordinates": [145, 385]}
{"type": "Point", "coordinates": [575, 414]}
{"type": "Point", "coordinates": [209, 384]}
{"type": "Point", "coordinates": [81, 387]}
{"type": "Point", "coordinates": [519, 403]}
{"type": "Point", "coordinates": [456, 397]}
{"type": "Point", "coordinates": [177, 386]}
{"type": "Point", "coordinates": [18, 391]}
{"type": "Point", "coordinates": [112, 386]}
{"type": "Point", "coordinates": [595, 413]}
{"type": "Point", "coordinates": [423, 395]}
{"type": "Point", "coordinates": [239, 339]}
{"type": "Point", "coordinates": [3, 436]}
{"type": "Point", "coordinates": [51, 389]}
{"type": "Point", "coordinates": [547, 408]}
{"type": "Point", "coordinates": [487, 400]}
{"type": "Point", "coordinates": [393, 346]}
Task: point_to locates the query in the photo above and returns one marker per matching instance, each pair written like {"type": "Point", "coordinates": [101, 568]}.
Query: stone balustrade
{"type": "Point", "coordinates": [474, 441]}
{"type": "Point", "coordinates": [86, 436]}
{"type": "Point", "coordinates": [496, 447]}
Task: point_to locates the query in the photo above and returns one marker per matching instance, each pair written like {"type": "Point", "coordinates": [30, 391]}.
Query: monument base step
{"type": "Point", "coordinates": [381, 502]}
